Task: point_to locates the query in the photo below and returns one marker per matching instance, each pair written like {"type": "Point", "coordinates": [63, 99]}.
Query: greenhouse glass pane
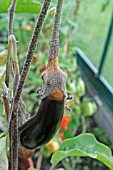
{"type": "Point", "coordinates": [93, 26]}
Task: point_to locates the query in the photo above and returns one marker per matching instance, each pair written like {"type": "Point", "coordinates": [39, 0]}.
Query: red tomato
{"type": "Point", "coordinates": [35, 59]}
{"type": "Point", "coordinates": [43, 68]}
{"type": "Point", "coordinates": [65, 121]}
{"type": "Point", "coordinates": [61, 136]}
{"type": "Point", "coordinates": [75, 101]}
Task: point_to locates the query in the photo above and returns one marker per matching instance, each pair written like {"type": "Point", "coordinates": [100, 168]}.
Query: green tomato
{"type": "Point", "coordinates": [88, 108]}
{"type": "Point", "coordinates": [78, 109]}
{"type": "Point", "coordinates": [80, 87]}
{"type": "Point", "coordinates": [71, 87]}
{"type": "Point", "coordinates": [46, 152]}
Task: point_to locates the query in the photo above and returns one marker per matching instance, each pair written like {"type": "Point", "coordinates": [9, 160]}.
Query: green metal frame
{"type": "Point", "coordinates": [103, 88]}
{"type": "Point", "coordinates": [106, 46]}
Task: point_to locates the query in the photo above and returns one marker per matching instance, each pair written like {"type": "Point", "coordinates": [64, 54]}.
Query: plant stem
{"type": "Point", "coordinates": [75, 9]}
{"type": "Point", "coordinates": [15, 141]}
{"type": "Point", "coordinates": [66, 165]}
{"type": "Point", "coordinates": [31, 49]}
{"type": "Point", "coordinates": [53, 9]}
{"type": "Point", "coordinates": [10, 146]}
{"type": "Point", "coordinates": [54, 43]}
{"type": "Point", "coordinates": [16, 66]}
{"type": "Point", "coordinates": [6, 106]}
{"type": "Point", "coordinates": [15, 59]}
{"type": "Point", "coordinates": [39, 161]}
{"type": "Point", "coordinates": [8, 64]}
{"type": "Point", "coordinates": [10, 32]}
{"type": "Point", "coordinates": [13, 133]}
{"type": "Point", "coordinates": [13, 130]}
{"type": "Point", "coordinates": [11, 16]}
{"type": "Point", "coordinates": [11, 70]}
{"type": "Point", "coordinates": [15, 115]}
{"type": "Point", "coordinates": [53, 167]}
{"type": "Point", "coordinates": [84, 127]}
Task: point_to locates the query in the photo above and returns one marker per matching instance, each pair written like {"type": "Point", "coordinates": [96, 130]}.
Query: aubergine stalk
{"type": "Point", "coordinates": [43, 126]}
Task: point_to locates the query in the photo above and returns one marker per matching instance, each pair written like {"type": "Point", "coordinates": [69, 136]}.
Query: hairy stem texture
{"type": "Point", "coordinates": [54, 43]}
{"type": "Point", "coordinates": [11, 16]}
{"type": "Point", "coordinates": [31, 49]}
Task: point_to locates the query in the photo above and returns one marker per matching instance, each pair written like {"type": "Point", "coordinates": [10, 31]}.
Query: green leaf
{"type": "Point", "coordinates": [2, 77]}
{"type": "Point", "coordinates": [3, 55]}
{"type": "Point", "coordinates": [24, 6]}
{"type": "Point", "coordinates": [84, 145]}
{"type": "Point", "coordinates": [31, 169]}
{"type": "Point", "coordinates": [2, 135]}
{"type": "Point", "coordinates": [3, 155]}
{"type": "Point", "coordinates": [60, 169]}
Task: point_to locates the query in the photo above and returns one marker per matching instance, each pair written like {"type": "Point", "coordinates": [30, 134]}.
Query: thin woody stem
{"type": "Point", "coordinates": [15, 141]}
{"type": "Point", "coordinates": [6, 106]}
{"type": "Point", "coordinates": [13, 150]}
{"type": "Point", "coordinates": [9, 84]}
{"type": "Point", "coordinates": [14, 123]}
{"type": "Point", "coordinates": [15, 62]}
{"type": "Point", "coordinates": [54, 43]}
{"type": "Point", "coordinates": [10, 32]}
{"type": "Point", "coordinates": [11, 69]}
{"type": "Point", "coordinates": [31, 49]}
{"type": "Point", "coordinates": [75, 8]}
{"type": "Point", "coordinates": [39, 161]}
{"type": "Point", "coordinates": [8, 64]}
{"type": "Point", "coordinates": [15, 59]}
{"type": "Point", "coordinates": [11, 16]}
{"type": "Point", "coordinates": [10, 147]}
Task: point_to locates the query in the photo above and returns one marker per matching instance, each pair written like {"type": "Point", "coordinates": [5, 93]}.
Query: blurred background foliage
{"type": "Point", "coordinates": [84, 26]}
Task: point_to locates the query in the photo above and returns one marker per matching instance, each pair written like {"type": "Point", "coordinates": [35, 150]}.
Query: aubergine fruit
{"type": "Point", "coordinates": [43, 126]}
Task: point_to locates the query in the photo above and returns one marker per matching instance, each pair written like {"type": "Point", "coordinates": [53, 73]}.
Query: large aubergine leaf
{"type": "Point", "coordinates": [84, 145]}
{"type": "Point", "coordinates": [23, 6]}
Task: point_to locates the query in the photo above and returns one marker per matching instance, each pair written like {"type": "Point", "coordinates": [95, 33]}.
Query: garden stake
{"type": "Point", "coordinates": [42, 127]}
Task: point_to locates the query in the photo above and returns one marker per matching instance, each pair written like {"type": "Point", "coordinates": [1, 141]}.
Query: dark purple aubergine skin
{"type": "Point", "coordinates": [43, 126]}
